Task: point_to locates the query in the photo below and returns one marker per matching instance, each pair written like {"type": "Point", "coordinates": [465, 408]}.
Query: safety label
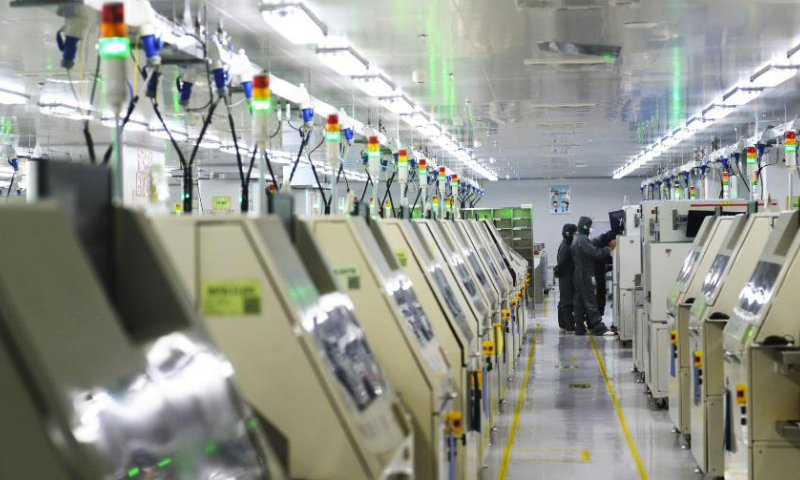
{"type": "Point", "coordinates": [349, 276]}
{"type": "Point", "coordinates": [580, 385]}
{"type": "Point", "coordinates": [231, 297]}
{"type": "Point", "coordinates": [402, 257]}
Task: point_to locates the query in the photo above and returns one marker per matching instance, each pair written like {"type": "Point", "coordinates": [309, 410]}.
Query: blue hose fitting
{"type": "Point", "coordinates": [186, 93]}
{"type": "Point", "coordinates": [348, 134]}
{"type": "Point", "coordinates": [247, 86]}
{"type": "Point", "coordinates": [152, 46]}
{"type": "Point", "coordinates": [220, 78]}
{"type": "Point", "coordinates": [308, 115]}
{"type": "Point", "coordinates": [69, 49]}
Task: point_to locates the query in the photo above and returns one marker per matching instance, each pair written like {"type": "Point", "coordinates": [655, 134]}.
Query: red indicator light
{"type": "Point", "coordinates": [113, 21]}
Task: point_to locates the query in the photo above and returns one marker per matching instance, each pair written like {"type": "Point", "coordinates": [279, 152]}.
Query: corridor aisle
{"type": "Point", "coordinates": [568, 426]}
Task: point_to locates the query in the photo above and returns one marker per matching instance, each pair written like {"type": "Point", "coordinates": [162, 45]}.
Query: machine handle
{"type": "Point", "coordinates": [694, 329]}
{"type": "Point", "coordinates": [731, 356]}
{"type": "Point", "coordinates": [719, 316]}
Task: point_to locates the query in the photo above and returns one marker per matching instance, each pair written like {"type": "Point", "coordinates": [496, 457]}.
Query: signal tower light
{"type": "Point", "coordinates": [751, 155]}
{"type": "Point", "coordinates": [790, 149]}
{"type": "Point", "coordinates": [374, 148]}
{"type": "Point", "coordinates": [114, 41]}
{"type": "Point", "coordinates": [332, 132]}
{"type": "Point", "coordinates": [262, 101]}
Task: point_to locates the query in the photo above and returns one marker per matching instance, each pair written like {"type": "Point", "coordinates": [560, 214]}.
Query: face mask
{"type": "Point", "coordinates": [591, 230]}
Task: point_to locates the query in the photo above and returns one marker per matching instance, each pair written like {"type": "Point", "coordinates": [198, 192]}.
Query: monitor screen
{"type": "Point", "coordinates": [617, 221]}
{"type": "Point", "coordinates": [694, 220]}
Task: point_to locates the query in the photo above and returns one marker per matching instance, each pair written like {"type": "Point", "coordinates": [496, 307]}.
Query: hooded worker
{"type": "Point", "coordinates": [585, 255]}
{"type": "Point", "coordinates": [564, 271]}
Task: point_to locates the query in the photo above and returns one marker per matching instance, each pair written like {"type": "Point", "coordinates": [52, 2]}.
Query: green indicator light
{"type": "Point", "coordinates": [115, 47]}
{"type": "Point", "coordinates": [791, 148]}
{"type": "Point", "coordinates": [374, 154]}
{"type": "Point", "coordinates": [333, 136]}
{"type": "Point", "coordinates": [164, 463]}
{"type": "Point", "coordinates": [609, 56]}
{"type": "Point", "coordinates": [210, 448]}
{"type": "Point", "coordinates": [751, 161]}
{"type": "Point", "coordinates": [252, 424]}
{"type": "Point", "coordinates": [262, 105]}
{"type": "Point", "coordinates": [133, 472]}
{"type": "Point", "coordinates": [749, 331]}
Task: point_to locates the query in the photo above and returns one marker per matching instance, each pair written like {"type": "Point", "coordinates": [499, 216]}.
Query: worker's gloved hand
{"type": "Point", "coordinates": [612, 244]}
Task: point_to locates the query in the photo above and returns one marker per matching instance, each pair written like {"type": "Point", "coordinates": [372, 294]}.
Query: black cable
{"type": "Point", "coordinates": [388, 187]}
{"type": "Point", "coordinates": [206, 123]}
{"type": "Point", "coordinates": [741, 175]}
{"type": "Point", "coordinates": [277, 131]}
{"type": "Point", "coordinates": [87, 135]}
{"type": "Point", "coordinates": [413, 207]}
{"type": "Point", "coordinates": [369, 181]}
{"type": "Point", "coordinates": [175, 145]}
{"type": "Point", "coordinates": [11, 184]}
{"type": "Point", "coordinates": [325, 201]}
{"type": "Point", "coordinates": [131, 107]}
{"type": "Point", "coordinates": [269, 167]}
{"type": "Point", "coordinates": [245, 203]}
{"type": "Point", "coordinates": [303, 143]}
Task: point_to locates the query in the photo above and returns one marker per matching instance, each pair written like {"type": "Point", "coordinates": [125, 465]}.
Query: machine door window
{"type": "Point", "coordinates": [342, 342]}
{"type": "Point", "coordinates": [451, 301]}
{"type": "Point", "coordinates": [758, 290]}
{"type": "Point", "coordinates": [714, 276]}
{"type": "Point", "coordinates": [688, 267]}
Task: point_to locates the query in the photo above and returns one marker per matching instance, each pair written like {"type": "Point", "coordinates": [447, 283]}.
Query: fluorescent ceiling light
{"type": "Point", "coordinates": [568, 61]}
{"type": "Point", "coordinates": [431, 130]}
{"type": "Point", "coordinates": [399, 104]}
{"type": "Point", "coordinates": [740, 96]}
{"type": "Point", "coordinates": [294, 21]}
{"type": "Point", "coordinates": [717, 112]}
{"type": "Point", "coordinates": [696, 124]}
{"type": "Point", "coordinates": [772, 76]}
{"type": "Point", "coordinates": [12, 95]}
{"type": "Point", "coordinates": [178, 134]}
{"type": "Point", "coordinates": [374, 85]}
{"type": "Point", "coordinates": [416, 119]}
{"type": "Point", "coordinates": [343, 60]}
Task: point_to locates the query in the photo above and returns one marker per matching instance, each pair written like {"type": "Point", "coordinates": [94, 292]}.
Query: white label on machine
{"type": "Point", "coordinates": [349, 276]}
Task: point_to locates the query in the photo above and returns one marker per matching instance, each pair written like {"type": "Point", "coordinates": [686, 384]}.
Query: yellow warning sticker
{"type": "Point", "coordinates": [221, 204]}
{"type": "Point", "coordinates": [402, 257]}
{"type": "Point", "coordinates": [231, 298]}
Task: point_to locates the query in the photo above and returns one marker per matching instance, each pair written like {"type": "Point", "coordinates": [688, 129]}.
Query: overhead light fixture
{"type": "Point", "coordinates": [696, 124]}
{"type": "Point", "coordinates": [716, 112]}
{"type": "Point", "coordinates": [554, 62]}
{"type": "Point", "coordinates": [431, 130]}
{"type": "Point", "coordinates": [741, 96]}
{"type": "Point", "coordinates": [772, 75]}
{"type": "Point", "coordinates": [416, 119]}
{"type": "Point", "coordinates": [639, 25]}
{"type": "Point", "coordinates": [178, 134]}
{"type": "Point", "coordinates": [12, 95]}
{"type": "Point", "coordinates": [399, 104]}
{"type": "Point", "coordinates": [343, 60]}
{"type": "Point", "coordinates": [375, 85]}
{"type": "Point", "coordinates": [294, 21]}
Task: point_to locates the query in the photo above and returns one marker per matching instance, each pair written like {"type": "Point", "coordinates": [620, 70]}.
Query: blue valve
{"type": "Point", "coordinates": [68, 46]}
{"type": "Point", "coordinates": [308, 115]}
{"type": "Point", "coordinates": [348, 134]}
{"type": "Point", "coordinates": [152, 46]}
{"type": "Point", "coordinates": [220, 78]}
{"type": "Point", "coordinates": [186, 93]}
{"type": "Point", "coordinates": [247, 86]}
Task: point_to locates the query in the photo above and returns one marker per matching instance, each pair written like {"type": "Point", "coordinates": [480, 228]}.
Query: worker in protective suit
{"type": "Point", "coordinates": [584, 256]}
{"type": "Point", "coordinates": [564, 271]}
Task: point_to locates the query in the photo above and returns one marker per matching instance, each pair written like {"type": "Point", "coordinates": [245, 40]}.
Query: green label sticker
{"type": "Point", "coordinates": [231, 297]}
{"type": "Point", "coordinates": [402, 257]}
{"type": "Point", "coordinates": [221, 203]}
{"type": "Point", "coordinates": [580, 385]}
{"type": "Point", "coordinates": [349, 276]}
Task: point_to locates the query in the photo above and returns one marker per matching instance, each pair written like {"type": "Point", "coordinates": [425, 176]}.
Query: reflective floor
{"type": "Point", "coordinates": [568, 426]}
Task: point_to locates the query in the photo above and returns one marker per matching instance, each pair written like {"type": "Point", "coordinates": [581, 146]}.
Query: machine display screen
{"type": "Point", "coordinates": [451, 301]}
{"type": "Point", "coordinates": [469, 285]}
{"type": "Point", "coordinates": [488, 260]}
{"type": "Point", "coordinates": [758, 290]}
{"type": "Point", "coordinates": [694, 220]}
{"type": "Point", "coordinates": [477, 268]}
{"type": "Point", "coordinates": [344, 345]}
{"type": "Point", "coordinates": [688, 267]}
{"type": "Point", "coordinates": [414, 315]}
{"type": "Point", "coordinates": [714, 276]}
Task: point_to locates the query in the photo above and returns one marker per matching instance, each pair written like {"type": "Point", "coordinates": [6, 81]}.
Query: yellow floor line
{"type": "Point", "coordinates": [501, 475]}
{"type": "Point", "coordinates": [620, 414]}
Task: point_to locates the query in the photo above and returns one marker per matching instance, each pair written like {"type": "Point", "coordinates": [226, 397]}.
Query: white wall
{"type": "Point", "coordinates": [594, 197]}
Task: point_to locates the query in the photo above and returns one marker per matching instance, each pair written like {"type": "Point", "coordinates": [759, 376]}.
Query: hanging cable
{"type": "Point", "coordinates": [269, 168]}
{"type": "Point", "coordinates": [303, 143]}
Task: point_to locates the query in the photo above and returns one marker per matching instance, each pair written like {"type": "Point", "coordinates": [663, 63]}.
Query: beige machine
{"type": "Point", "coordinates": [501, 284]}
{"type": "Point", "coordinates": [282, 323]}
{"type": "Point", "coordinates": [397, 328]}
{"type": "Point", "coordinates": [491, 256]}
{"type": "Point", "coordinates": [448, 316]}
{"type": "Point", "coordinates": [512, 278]}
{"type": "Point", "coordinates": [478, 314]}
{"type": "Point", "coordinates": [105, 369]}
{"type": "Point", "coordinates": [684, 293]}
{"type": "Point", "coordinates": [762, 360]}
{"type": "Point", "coordinates": [492, 298]}
{"type": "Point", "coordinates": [728, 273]}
